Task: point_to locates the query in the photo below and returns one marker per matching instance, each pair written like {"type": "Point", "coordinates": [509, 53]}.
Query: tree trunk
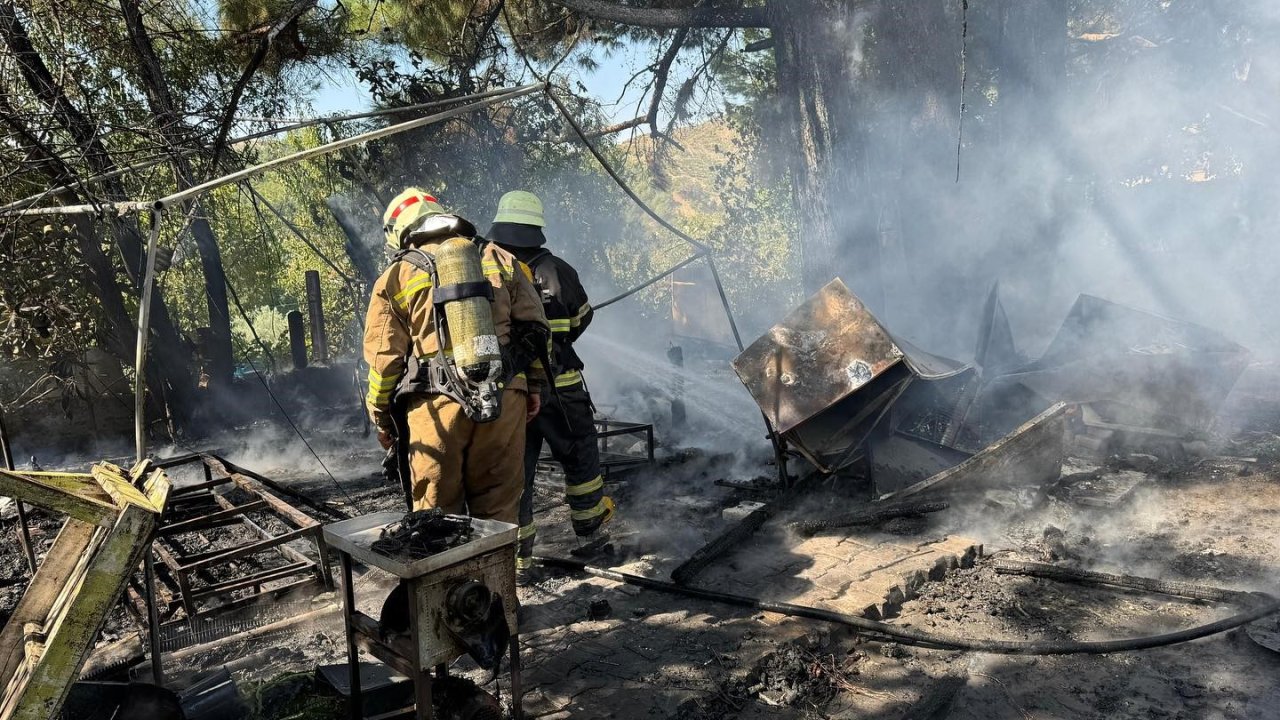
{"type": "Point", "coordinates": [220, 357]}
{"type": "Point", "coordinates": [172, 374]}
{"type": "Point", "coordinates": [816, 86]}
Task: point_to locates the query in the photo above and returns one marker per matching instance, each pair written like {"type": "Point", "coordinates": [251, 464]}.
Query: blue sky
{"type": "Point", "coordinates": [341, 92]}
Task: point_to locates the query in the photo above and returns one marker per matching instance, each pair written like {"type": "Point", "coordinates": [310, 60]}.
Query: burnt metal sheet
{"type": "Point", "coordinates": [1148, 369]}
{"type": "Point", "coordinates": [927, 366]}
{"type": "Point", "coordinates": [1031, 454]}
{"type": "Point", "coordinates": [995, 351]}
{"type": "Point", "coordinates": [833, 438]}
{"type": "Point", "coordinates": [899, 461]}
{"type": "Point", "coordinates": [823, 352]}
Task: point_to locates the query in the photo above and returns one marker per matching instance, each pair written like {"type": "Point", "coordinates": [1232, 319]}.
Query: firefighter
{"type": "Point", "coordinates": [567, 421]}
{"type": "Point", "coordinates": [454, 462]}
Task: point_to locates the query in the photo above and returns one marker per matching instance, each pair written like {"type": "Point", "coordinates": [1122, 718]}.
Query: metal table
{"type": "Point", "coordinates": [489, 558]}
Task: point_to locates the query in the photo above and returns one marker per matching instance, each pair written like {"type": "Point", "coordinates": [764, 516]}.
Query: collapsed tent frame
{"type": "Point", "coordinates": [159, 207]}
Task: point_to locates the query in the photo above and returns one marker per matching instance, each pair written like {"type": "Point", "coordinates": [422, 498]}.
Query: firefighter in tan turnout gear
{"type": "Point", "coordinates": [454, 338]}
{"type": "Point", "coordinates": [567, 420]}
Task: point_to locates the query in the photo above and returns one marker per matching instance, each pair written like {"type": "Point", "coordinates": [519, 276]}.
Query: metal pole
{"type": "Point", "coordinates": [647, 283]}
{"type": "Point", "coordinates": [245, 174]}
{"type": "Point", "coordinates": [354, 696]}
{"type": "Point", "coordinates": [120, 208]}
{"type": "Point", "coordinates": [139, 167]}
{"type": "Point", "coordinates": [24, 531]}
{"type": "Point", "coordinates": [144, 327]}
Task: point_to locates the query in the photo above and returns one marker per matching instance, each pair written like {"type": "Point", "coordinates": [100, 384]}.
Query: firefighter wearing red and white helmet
{"type": "Point", "coordinates": [459, 459]}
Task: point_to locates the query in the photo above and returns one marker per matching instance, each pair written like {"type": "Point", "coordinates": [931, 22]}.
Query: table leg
{"type": "Point", "coordinates": [153, 617]}
{"type": "Point", "coordinates": [517, 690]}
{"type": "Point", "coordinates": [422, 695]}
{"type": "Point", "coordinates": [356, 699]}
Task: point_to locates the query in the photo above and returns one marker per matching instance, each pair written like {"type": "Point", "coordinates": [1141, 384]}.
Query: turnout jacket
{"type": "Point", "coordinates": [566, 305]}
{"type": "Point", "coordinates": [400, 322]}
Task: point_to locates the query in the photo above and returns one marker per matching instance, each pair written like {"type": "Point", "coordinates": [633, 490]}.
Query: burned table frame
{"type": "Point", "coordinates": [218, 511]}
{"type": "Point", "coordinates": [613, 462]}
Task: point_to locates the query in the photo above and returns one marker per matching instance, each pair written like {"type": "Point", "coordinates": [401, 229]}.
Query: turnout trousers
{"type": "Point", "coordinates": [567, 425]}
{"type": "Point", "coordinates": [464, 467]}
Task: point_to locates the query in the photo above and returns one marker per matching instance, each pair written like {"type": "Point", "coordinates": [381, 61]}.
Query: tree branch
{"type": "Point", "coordinates": [741, 17]}
{"type": "Point", "coordinates": [660, 78]}
{"type": "Point", "coordinates": [297, 10]}
{"type": "Point", "coordinates": [42, 83]}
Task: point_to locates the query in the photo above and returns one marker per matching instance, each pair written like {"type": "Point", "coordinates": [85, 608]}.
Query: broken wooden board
{"type": "Point", "coordinates": [52, 632]}
{"type": "Point", "coordinates": [1031, 454]}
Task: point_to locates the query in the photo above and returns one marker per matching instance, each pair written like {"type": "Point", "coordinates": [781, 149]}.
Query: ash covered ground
{"type": "Point", "coordinates": [1206, 516]}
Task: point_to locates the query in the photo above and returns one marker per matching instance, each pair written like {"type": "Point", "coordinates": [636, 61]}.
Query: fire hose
{"type": "Point", "coordinates": [1268, 605]}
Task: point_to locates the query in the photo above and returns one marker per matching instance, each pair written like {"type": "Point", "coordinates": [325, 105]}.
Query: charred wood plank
{"type": "Point", "coordinates": [735, 534]}
{"type": "Point", "coordinates": [239, 474]}
{"type": "Point", "coordinates": [1193, 591]}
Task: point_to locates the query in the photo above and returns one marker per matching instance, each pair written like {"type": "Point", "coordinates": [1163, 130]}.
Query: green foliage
{"type": "Point", "coordinates": [45, 308]}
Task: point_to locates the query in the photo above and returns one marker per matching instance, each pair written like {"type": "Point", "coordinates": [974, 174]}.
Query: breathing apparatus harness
{"type": "Point", "coordinates": [477, 384]}
{"type": "Point", "coordinates": [482, 402]}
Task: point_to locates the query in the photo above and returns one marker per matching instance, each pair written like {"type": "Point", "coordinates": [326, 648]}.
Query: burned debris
{"type": "Point", "coordinates": [112, 515]}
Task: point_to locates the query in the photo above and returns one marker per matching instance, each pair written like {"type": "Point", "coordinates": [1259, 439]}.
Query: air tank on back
{"type": "Point", "coordinates": [476, 352]}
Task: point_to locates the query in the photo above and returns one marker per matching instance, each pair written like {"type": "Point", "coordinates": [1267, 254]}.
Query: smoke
{"type": "Point", "coordinates": [1119, 149]}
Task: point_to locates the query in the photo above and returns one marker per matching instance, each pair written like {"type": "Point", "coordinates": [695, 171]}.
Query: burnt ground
{"type": "Point", "coordinates": [1210, 519]}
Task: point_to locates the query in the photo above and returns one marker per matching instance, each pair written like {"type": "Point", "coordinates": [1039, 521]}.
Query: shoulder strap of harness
{"type": "Point", "coordinates": [418, 258]}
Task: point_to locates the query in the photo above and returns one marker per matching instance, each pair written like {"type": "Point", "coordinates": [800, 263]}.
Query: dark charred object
{"type": "Point", "coordinates": [297, 339]}
{"type": "Point", "coordinates": [121, 701]}
{"type": "Point", "coordinates": [423, 533]}
{"type": "Point", "coordinates": [1194, 591]}
{"type": "Point", "coordinates": [394, 617]}
{"type": "Point", "coordinates": [599, 609]}
{"type": "Point", "coordinates": [315, 309]}
{"type": "Point", "coordinates": [382, 690]}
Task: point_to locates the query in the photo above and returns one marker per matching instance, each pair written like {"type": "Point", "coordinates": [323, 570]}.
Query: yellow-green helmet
{"type": "Point", "coordinates": [404, 212]}
{"type": "Point", "coordinates": [521, 207]}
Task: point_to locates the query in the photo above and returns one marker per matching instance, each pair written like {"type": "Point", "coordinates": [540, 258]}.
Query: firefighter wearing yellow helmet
{"type": "Point", "coordinates": [453, 337]}
{"type": "Point", "coordinates": [567, 423]}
